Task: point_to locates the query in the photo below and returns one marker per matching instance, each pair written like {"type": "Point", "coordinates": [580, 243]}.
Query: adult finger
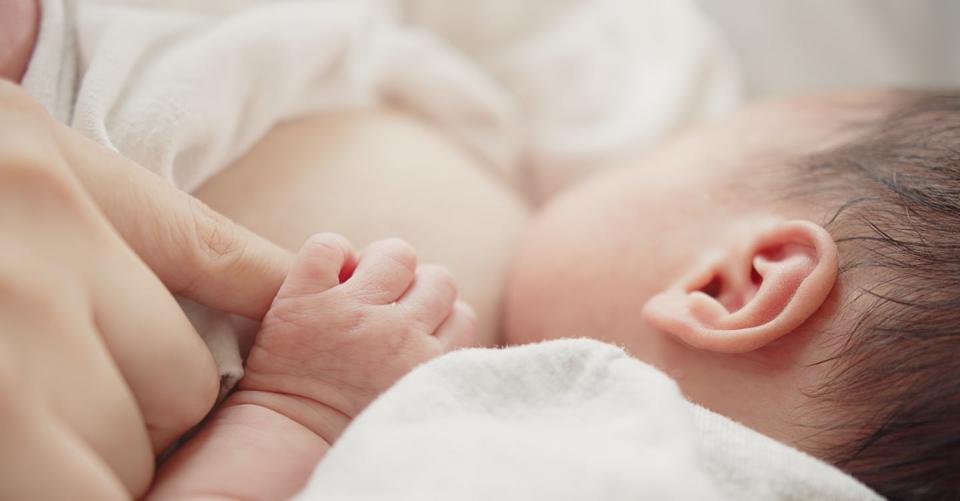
{"type": "Point", "coordinates": [52, 237]}
{"type": "Point", "coordinates": [196, 252]}
{"type": "Point", "coordinates": [43, 459]}
{"type": "Point", "coordinates": [57, 380]}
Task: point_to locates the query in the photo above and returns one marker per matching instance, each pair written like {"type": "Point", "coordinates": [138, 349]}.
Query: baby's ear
{"type": "Point", "coordinates": [751, 293]}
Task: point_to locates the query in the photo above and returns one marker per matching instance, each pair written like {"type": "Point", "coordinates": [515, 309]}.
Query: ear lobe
{"type": "Point", "coordinates": [748, 296]}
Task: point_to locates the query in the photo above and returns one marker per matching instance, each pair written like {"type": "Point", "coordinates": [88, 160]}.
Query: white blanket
{"type": "Point", "coordinates": [561, 420]}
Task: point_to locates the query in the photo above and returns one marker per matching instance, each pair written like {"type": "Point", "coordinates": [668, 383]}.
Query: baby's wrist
{"type": "Point", "coordinates": [246, 437]}
{"type": "Point", "coordinates": [322, 420]}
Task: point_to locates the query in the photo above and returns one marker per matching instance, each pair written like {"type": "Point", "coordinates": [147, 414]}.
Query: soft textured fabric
{"type": "Point", "coordinates": [560, 420]}
{"type": "Point", "coordinates": [184, 88]}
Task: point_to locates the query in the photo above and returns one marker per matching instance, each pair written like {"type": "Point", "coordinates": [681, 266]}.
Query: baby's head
{"type": "Point", "coordinates": [796, 268]}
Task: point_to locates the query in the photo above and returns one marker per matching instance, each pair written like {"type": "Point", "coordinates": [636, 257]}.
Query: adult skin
{"type": "Point", "coordinates": [370, 175]}
{"type": "Point", "coordinates": [19, 23]}
{"type": "Point", "coordinates": [89, 431]}
{"type": "Point", "coordinates": [99, 367]}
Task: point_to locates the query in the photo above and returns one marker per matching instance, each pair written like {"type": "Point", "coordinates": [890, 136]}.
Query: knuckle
{"type": "Point", "coordinates": [469, 321]}
{"type": "Point", "coordinates": [14, 98]}
{"type": "Point", "coordinates": [215, 237]}
{"type": "Point", "coordinates": [25, 285]}
{"type": "Point", "coordinates": [29, 133]}
{"type": "Point", "coordinates": [209, 241]}
{"type": "Point", "coordinates": [323, 240]}
{"type": "Point", "coordinates": [37, 180]}
{"type": "Point", "coordinates": [469, 315]}
{"type": "Point", "coordinates": [441, 279]}
{"type": "Point", "coordinates": [398, 251]}
{"type": "Point", "coordinates": [198, 386]}
{"type": "Point", "coordinates": [326, 245]}
{"type": "Point", "coordinates": [37, 198]}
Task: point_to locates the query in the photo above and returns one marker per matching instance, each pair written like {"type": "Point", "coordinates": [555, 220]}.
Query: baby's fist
{"type": "Point", "coordinates": [342, 330]}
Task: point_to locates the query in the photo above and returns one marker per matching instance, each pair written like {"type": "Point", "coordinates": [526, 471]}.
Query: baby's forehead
{"type": "Point", "coordinates": [802, 125]}
{"type": "Point", "coordinates": [827, 104]}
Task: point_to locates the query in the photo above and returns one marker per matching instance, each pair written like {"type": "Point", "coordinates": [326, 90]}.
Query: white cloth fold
{"type": "Point", "coordinates": [185, 91]}
{"type": "Point", "coordinates": [560, 420]}
{"type": "Point", "coordinates": [184, 94]}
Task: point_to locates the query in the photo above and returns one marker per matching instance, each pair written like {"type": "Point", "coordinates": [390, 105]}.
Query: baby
{"type": "Point", "coordinates": [793, 268]}
{"type": "Point", "coordinates": [340, 332]}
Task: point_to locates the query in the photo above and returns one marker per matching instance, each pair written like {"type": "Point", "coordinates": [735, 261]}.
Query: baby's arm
{"type": "Point", "coordinates": [245, 451]}
{"type": "Point", "coordinates": [339, 333]}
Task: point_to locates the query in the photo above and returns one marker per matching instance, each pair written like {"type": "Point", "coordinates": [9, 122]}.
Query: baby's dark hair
{"type": "Point", "coordinates": [894, 210]}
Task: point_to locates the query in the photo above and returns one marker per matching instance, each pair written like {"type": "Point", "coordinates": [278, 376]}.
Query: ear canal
{"type": "Point", "coordinates": [733, 292]}
{"type": "Point", "coordinates": [752, 294]}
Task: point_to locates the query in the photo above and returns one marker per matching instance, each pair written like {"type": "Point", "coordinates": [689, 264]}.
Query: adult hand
{"type": "Point", "coordinates": [99, 368]}
{"type": "Point", "coordinates": [197, 252]}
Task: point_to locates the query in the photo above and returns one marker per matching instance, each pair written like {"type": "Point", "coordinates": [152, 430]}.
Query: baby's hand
{"type": "Point", "coordinates": [341, 331]}
{"type": "Point", "coordinates": [338, 334]}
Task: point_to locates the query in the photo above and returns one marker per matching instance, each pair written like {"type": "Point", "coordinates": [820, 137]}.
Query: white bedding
{"type": "Point", "coordinates": [561, 420]}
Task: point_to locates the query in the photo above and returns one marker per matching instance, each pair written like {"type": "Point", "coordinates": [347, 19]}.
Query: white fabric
{"type": "Point", "coordinates": [52, 73]}
{"type": "Point", "coordinates": [590, 79]}
{"type": "Point", "coordinates": [184, 92]}
{"type": "Point", "coordinates": [560, 420]}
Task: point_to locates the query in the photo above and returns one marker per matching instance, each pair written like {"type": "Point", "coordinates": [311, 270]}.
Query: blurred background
{"type": "Point", "coordinates": [781, 45]}
{"type": "Point", "coordinates": [547, 91]}
{"type": "Point", "coordinates": [788, 46]}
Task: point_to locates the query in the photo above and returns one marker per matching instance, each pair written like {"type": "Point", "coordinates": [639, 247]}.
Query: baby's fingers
{"type": "Point", "coordinates": [323, 260]}
{"type": "Point", "coordinates": [459, 329]}
{"type": "Point", "coordinates": [429, 301]}
{"type": "Point", "coordinates": [384, 271]}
